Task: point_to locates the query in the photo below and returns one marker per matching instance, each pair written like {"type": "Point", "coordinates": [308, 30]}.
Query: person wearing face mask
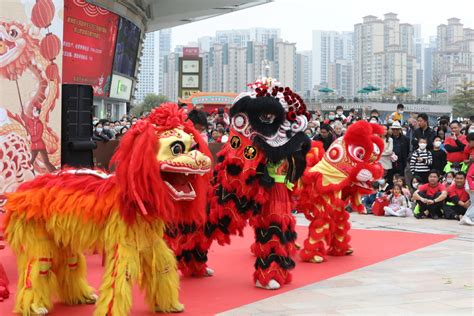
{"type": "Point", "coordinates": [454, 146]}
{"type": "Point", "coordinates": [99, 134]}
{"type": "Point", "coordinates": [325, 136]}
{"type": "Point", "coordinates": [331, 117]}
{"type": "Point", "coordinates": [421, 160]}
{"type": "Point", "coordinates": [340, 113]}
{"type": "Point", "coordinates": [423, 131]}
{"type": "Point", "coordinates": [397, 116]}
{"type": "Point", "coordinates": [439, 155]}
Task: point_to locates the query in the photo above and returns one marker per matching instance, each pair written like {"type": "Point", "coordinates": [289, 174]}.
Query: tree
{"type": "Point", "coordinates": [150, 101]}
{"type": "Point", "coordinates": [463, 100]}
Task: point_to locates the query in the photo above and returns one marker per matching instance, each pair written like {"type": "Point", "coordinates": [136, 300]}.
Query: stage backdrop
{"type": "Point", "coordinates": [30, 86]}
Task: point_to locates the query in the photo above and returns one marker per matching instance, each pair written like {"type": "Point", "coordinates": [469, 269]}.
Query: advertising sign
{"type": "Point", "coordinates": [121, 87]}
{"type": "Point", "coordinates": [90, 33]}
{"type": "Point", "coordinates": [191, 52]}
{"type": "Point", "coordinates": [126, 51]}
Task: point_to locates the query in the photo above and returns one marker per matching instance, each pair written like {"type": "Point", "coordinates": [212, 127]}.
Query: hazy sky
{"type": "Point", "coordinates": [297, 18]}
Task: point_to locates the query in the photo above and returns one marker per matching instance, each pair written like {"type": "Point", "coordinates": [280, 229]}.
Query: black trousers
{"type": "Point", "coordinates": [433, 209]}
{"type": "Point", "coordinates": [450, 211]}
{"type": "Point", "coordinates": [423, 176]}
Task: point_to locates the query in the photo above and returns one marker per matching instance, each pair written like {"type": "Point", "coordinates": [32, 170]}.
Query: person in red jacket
{"type": "Point", "coordinates": [457, 201]}
{"type": "Point", "coordinates": [34, 127]}
{"type": "Point", "coordinates": [454, 146]}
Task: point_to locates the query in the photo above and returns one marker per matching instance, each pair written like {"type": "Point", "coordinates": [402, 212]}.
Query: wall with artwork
{"type": "Point", "coordinates": [31, 36]}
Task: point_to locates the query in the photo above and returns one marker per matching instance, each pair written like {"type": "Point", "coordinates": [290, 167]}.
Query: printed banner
{"type": "Point", "coordinates": [90, 33]}
{"type": "Point", "coordinates": [31, 34]}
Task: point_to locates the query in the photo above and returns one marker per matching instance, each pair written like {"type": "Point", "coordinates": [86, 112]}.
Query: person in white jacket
{"type": "Point", "coordinates": [386, 158]}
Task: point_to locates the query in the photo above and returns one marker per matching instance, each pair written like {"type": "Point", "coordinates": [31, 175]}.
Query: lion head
{"type": "Point", "coordinates": [161, 166]}
{"type": "Point", "coordinates": [352, 160]}
{"type": "Point", "coordinates": [16, 49]}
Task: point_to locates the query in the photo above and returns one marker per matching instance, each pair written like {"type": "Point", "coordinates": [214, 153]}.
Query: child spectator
{"type": "Point", "coordinates": [430, 197]}
{"type": "Point", "coordinates": [439, 155]}
{"type": "Point", "coordinates": [398, 179]}
{"type": "Point", "coordinates": [398, 203]}
{"type": "Point", "coordinates": [415, 183]}
{"type": "Point", "coordinates": [457, 201]}
{"type": "Point", "coordinates": [421, 160]}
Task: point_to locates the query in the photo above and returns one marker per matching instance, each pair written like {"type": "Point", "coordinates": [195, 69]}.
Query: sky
{"type": "Point", "coordinates": [297, 18]}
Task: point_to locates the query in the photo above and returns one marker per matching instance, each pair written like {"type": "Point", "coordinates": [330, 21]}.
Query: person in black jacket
{"type": "Point", "coordinates": [401, 148]}
{"type": "Point", "coordinates": [423, 131]}
{"type": "Point", "coordinates": [325, 136]}
{"type": "Point", "coordinates": [439, 156]}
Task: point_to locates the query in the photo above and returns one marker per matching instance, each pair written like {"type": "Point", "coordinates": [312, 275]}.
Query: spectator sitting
{"type": "Point", "coordinates": [381, 188]}
{"type": "Point", "coordinates": [449, 179]}
{"type": "Point", "coordinates": [98, 134]}
{"type": "Point", "coordinates": [325, 136]}
{"type": "Point", "coordinates": [439, 155]}
{"type": "Point", "coordinates": [415, 183]}
{"type": "Point", "coordinates": [457, 201]}
{"type": "Point", "coordinates": [398, 179]}
{"type": "Point", "coordinates": [423, 131]}
{"type": "Point", "coordinates": [454, 146]}
{"type": "Point", "coordinates": [421, 161]}
{"type": "Point", "coordinates": [398, 203]}
{"type": "Point", "coordinates": [430, 197]}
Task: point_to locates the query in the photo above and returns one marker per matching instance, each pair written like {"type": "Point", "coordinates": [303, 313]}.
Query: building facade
{"type": "Point", "coordinates": [303, 74]}
{"type": "Point", "coordinates": [149, 72]}
{"type": "Point", "coordinates": [384, 54]}
{"type": "Point", "coordinates": [327, 47]}
{"type": "Point", "coordinates": [453, 60]}
{"type": "Point", "coordinates": [164, 42]}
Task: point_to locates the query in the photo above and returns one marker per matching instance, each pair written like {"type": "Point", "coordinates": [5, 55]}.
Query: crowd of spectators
{"type": "Point", "coordinates": [427, 171]}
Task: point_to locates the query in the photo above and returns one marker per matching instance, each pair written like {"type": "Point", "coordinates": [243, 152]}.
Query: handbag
{"type": "Point", "coordinates": [379, 204]}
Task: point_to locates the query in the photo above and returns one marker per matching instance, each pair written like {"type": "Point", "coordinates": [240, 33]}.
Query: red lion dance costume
{"type": "Point", "coordinates": [255, 174]}
{"type": "Point", "coordinates": [54, 218]}
{"type": "Point", "coordinates": [333, 180]}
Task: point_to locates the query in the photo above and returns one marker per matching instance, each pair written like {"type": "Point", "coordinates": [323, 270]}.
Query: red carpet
{"type": "Point", "coordinates": [232, 286]}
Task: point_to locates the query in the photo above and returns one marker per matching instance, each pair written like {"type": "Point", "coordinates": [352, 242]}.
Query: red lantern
{"type": "Point", "coordinates": [50, 46]}
{"type": "Point", "coordinates": [42, 13]}
{"type": "Point", "coordinates": [52, 72]}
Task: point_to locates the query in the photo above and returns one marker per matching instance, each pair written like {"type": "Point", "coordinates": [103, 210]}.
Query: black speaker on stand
{"type": "Point", "coordinates": [76, 134]}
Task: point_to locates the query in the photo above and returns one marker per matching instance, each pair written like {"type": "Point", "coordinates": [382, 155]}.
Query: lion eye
{"type": "Point", "coordinates": [177, 148]}
{"type": "Point", "coordinates": [13, 33]}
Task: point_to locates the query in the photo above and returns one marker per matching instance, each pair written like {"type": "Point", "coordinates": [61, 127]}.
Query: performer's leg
{"type": "Point", "coordinates": [36, 283]}
{"type": "Point", "coordinates": [189, 244]}
{"type": "Point", "coordinates": [340, 236]}
{"type": "Point", "coordinates": [160, 279]}
{"type": "Point", "coordinates": [318, 238]}
{"type": "Point", "coordinates": [71, 271]}
{"type": "Point", "coordinates": [115, 294]}
{"type": "Point", "coordinates": [34, 153]}
{"type": "Point", "coordinates": [275, 237]}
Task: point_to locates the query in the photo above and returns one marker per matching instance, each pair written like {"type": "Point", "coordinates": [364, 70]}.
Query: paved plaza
{"type": "Point", "coordinates": [435, 280]}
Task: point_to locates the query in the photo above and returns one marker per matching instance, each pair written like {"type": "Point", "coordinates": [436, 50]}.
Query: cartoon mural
{"type": "Point", "coordinates": [30, 87]}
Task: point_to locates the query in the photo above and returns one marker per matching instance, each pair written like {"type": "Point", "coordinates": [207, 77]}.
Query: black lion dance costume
{"type": "Point", "coordinates": [256, 172]}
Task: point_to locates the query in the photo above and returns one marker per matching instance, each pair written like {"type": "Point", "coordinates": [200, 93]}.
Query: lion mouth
{"type": "Point", "coordinates": [179, 179]}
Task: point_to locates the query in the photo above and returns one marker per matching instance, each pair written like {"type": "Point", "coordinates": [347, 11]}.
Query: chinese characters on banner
{"type": "Point", "coordinates": [90, 33]}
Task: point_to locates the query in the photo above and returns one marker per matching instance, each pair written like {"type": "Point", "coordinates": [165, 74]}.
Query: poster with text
{"type": "Point", "coordinates": [89, 42]}
{"type": "Point", "coordinates": [31, 34]}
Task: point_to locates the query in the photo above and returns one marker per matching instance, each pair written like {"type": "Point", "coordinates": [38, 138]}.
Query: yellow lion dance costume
{"type": "Point", "coordinates": [54, 218]}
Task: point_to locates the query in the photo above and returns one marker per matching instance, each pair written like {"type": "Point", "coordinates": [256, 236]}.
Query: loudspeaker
{"type": "Point", "coordinates": [76, 134]}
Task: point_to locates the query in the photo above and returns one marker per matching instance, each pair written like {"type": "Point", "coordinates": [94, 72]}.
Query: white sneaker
{"type": "Point", "coordinates": [468, 220]}
{"type": "Point", "coordinates": [209, 272]}
{"type": "Point", "coordinates": [272, 285]}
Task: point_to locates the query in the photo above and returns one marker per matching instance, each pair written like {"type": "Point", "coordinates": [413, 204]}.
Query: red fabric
{"type": "Point", "coordinates": [458, 156]}
{"type": "Point", "coordinates": [379, 204]}
{"type": "Point", "coordinates": [230, 287]}
{"type": "Point", "coordinates": [431, 191]}
{"type": "Point", "coordinates": [461, 193]}
{"type": "Point", "coordinates": [469, 152]}
{"type": "Point", "coordinates": [34, 127]}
